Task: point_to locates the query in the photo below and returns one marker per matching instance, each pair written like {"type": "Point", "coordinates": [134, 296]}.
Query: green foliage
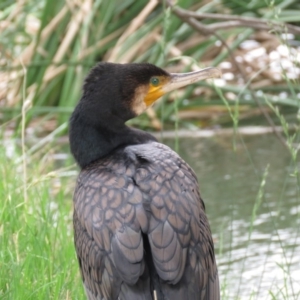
{"type": "Point", "coordinates": [51, 46]}
{"type": "Point", "coordinates": [47, 48]}
{"type": "Point", "coordinates": [37, 257]}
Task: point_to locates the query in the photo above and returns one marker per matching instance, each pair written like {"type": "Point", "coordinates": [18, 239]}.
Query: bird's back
{"type": "Point", "coordinates": [140, 225]}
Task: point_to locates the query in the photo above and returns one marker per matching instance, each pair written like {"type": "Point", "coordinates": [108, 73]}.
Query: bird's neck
{"type": "Point", "coordinates": [89, 142]}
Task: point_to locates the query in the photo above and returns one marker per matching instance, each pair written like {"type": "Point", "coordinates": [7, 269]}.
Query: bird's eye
{"type": "Point", "coordinates": [154, 81]}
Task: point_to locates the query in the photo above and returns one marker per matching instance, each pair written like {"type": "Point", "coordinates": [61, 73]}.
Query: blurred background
{"type": "Point", "coordinates": [240, 133]}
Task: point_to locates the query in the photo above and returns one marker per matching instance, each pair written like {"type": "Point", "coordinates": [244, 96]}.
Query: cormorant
{"type": "Point", "coordinates": [139, 221]}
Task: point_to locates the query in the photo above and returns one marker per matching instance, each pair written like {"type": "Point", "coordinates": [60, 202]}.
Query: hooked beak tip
{"type": "Point", "coordinates": [184, 79]}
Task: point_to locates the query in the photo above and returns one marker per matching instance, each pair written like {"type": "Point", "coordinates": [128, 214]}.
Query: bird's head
{"type": "Point", "coordinates": [124, 91]}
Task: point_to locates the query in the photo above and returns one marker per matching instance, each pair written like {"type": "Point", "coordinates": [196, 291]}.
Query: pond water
{"type": "Point", "coordinates": [253, 204]}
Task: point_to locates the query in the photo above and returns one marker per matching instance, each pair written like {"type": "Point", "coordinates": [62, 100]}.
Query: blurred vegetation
{"type": "Point", "coordinates": [48, 47]}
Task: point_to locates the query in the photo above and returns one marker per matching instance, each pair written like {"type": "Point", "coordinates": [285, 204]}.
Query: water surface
{"type": "Point", "coordinates": [253, 203]}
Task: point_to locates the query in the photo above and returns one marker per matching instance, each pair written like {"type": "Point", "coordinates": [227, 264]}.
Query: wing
{"type": "Point", "coordinates": [179, 232]}
{"type": "Point", "coordinates": [108, 217]}
{"type": "Point", "coordinates": [144, 191]}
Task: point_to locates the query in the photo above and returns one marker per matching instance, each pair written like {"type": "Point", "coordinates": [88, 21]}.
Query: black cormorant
{"type": "Point", "coordinates": [140, 226]}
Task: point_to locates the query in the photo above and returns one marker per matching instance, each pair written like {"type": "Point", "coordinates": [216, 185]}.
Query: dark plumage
{"type": "Point", "coordinates": [139, 220]}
